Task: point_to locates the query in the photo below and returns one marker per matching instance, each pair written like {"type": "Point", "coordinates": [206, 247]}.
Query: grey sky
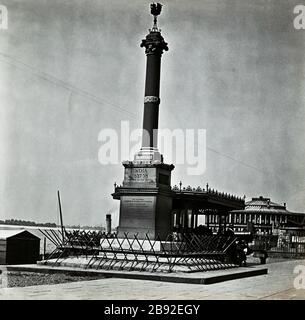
{"type": "Point", "coordinates": [68, 68]}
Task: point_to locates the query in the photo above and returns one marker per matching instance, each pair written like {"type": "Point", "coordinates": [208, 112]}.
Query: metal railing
{"type": "Point", "coordinates": [183, 252]}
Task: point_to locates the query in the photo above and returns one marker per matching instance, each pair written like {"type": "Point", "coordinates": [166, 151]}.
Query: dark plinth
{"type": "Point", "coordinates": [145, 200]}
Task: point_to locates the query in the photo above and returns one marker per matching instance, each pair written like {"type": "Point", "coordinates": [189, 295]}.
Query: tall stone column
{"type": "Point", "coordinates": [154, 45]}
{"type": "Point", "coordinates": [146, 196]}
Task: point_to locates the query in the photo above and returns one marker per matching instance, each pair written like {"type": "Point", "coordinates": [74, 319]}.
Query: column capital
{"type": "Point", "coordinates": [154, 43]}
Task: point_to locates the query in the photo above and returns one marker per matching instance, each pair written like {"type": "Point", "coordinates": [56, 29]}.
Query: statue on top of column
{"type": "Point", "coordinates": [155, 10]}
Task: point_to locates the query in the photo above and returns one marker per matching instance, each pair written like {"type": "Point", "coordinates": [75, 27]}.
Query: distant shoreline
{"type": "Point", "coordinates": [13, 226]}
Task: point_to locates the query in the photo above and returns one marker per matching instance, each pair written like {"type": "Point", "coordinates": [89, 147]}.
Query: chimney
{"type": "Point", "coordinates": [108, 223]}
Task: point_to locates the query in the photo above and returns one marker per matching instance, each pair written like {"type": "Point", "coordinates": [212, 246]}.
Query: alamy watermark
{"type": "Point", "coordinates": [299, 281]}
{"type": "Point", "coordinates": [299, 20]}
{"type": "Point", "coordinates": [187, 147]}
{"type": "Point", "coordinates": [3, 277]}
{"type": "Point", "coordinates": [3, 17]}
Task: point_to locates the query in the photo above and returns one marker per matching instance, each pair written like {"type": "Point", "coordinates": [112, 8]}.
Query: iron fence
{"type": "Point", "coordinates": [187, 252]}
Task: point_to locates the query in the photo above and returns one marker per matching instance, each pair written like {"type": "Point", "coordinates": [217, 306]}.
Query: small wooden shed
{"type": "Point", "coordinates": [18, 247]}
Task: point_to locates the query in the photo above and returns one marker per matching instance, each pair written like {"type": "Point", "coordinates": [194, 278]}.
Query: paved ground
{"type": "Point", "coordinates": [278, 284]}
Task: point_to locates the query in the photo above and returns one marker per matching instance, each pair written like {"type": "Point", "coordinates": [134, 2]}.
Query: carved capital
{"type": "Point", "coordinates": [154, 43]}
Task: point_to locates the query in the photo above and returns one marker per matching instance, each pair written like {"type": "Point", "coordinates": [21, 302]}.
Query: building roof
{"type": "Point", "coordinates": [8, 233]}
{"type": "Point", "coordinates": [264, 205]}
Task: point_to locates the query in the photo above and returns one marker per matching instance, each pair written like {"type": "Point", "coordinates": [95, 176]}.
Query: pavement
{"type": "Point", "coordinates": [202, 277]}
{"type": "Point", "coordinates": [277, 284]}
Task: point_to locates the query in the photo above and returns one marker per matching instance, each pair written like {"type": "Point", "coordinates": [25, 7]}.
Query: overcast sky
{"type": "Point", "coordinates": [70, 68]}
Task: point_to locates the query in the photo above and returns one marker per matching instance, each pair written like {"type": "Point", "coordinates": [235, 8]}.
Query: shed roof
{"type": "Point", "coordinates": [264, 205]}
{"type": "Point", "coordinates": [8, 233]}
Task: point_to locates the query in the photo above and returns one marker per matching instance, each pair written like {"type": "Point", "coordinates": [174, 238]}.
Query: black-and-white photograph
{"type": "Point", "coordinates": [152, 151]}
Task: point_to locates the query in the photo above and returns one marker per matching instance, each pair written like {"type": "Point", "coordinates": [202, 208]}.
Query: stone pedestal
{"type": "Point", "coordinates": [145, 200]}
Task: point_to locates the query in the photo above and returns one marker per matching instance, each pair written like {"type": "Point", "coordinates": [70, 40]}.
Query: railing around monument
{"type": "Point", "coordinates": [184, 252]}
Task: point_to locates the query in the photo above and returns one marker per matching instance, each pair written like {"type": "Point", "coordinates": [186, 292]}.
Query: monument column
{"type": "Point", "coordinates": [154, 45]}
{"type": "Point", "coordinates": [146, 195]}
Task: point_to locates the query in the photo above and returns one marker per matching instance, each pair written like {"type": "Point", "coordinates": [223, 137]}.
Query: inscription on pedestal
{"type": "Point", "coordinates": [140, 175]}
{"type": "Point", "coordinates": [137, 207]}
{"type": "Point", "coordinates": [137, 213]}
